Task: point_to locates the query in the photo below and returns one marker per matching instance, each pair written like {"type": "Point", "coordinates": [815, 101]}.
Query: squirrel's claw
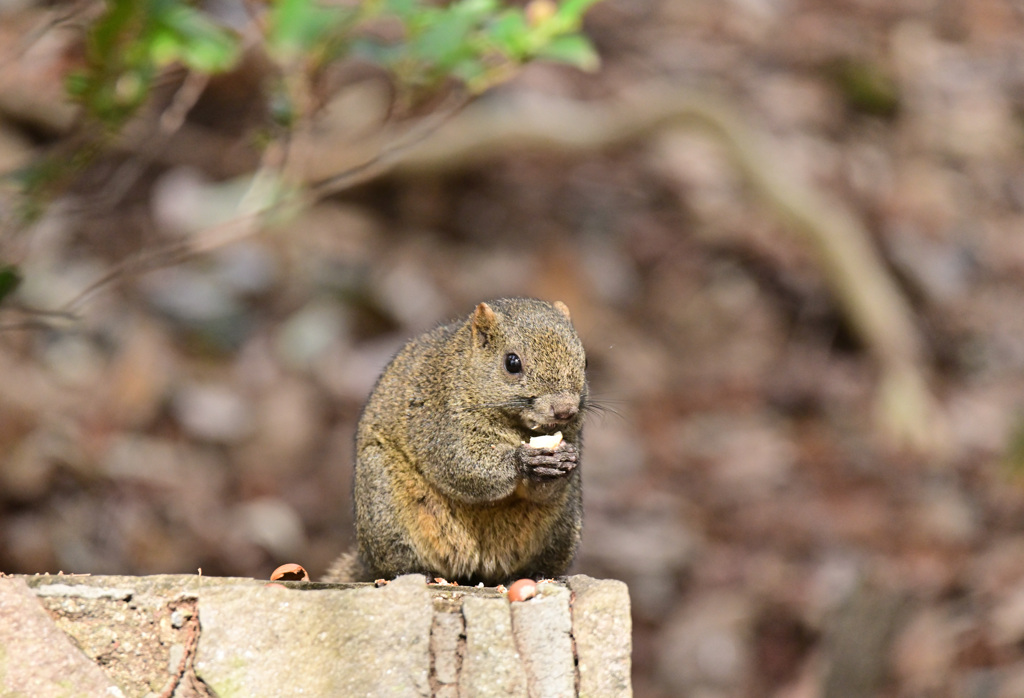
{"type": "Point", "coordinates": [548, 463]}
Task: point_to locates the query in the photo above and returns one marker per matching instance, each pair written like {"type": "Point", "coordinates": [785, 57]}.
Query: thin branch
{"type": "Point", "coordinates": [35, 319]}
{"type": "Point", "coordinates": [395, 152]}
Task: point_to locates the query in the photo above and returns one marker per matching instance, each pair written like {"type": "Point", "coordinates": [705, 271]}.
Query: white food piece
{"type": "Point", "coordinates": [545, 441]}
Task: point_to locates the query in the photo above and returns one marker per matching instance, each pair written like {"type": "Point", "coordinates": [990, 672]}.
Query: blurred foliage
{"type": "Point", "coordinates": [476, 42]}
{"type": "Point", "coordinates": [129, 44]}
{"type": "Point", "coordinates": [424, 47]}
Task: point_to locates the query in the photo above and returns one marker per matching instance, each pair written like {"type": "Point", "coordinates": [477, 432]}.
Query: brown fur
{"type": "Point", "coordinates": [444, 484]}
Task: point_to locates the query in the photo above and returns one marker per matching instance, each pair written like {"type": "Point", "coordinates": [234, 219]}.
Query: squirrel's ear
{"type": "Point", "coordinates": [563, 308]}
{"type": "Point", "coordinates": [484, 322]}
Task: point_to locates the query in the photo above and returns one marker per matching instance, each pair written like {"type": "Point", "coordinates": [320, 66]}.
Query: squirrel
{"type": "Point", "coordinates": [446, 484]}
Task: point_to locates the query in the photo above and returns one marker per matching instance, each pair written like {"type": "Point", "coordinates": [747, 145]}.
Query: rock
{"type": "Point", "coordinates": [543, 632]}
{"type": "Point", "coordinates": [36, 658]}
{"type": "Point", "coordinates": [186, 201]}
{"type": "Point", "coordinates": [190, 296]}
{"type": "Point", "coordinates": [247, 268]}
{"type": "Point", "coordinates": [74, 360]}
{"type": "Point", "coordinates": [308, 333]}
{"type": "Point", "coordinates": [177, 196]}
{"type": "Point", "coordinates": [161, 634]}
{"type": "Point", "coordinates": [447, 650]}
{"type": "Point", "coordinates": [367, 641]}
{"type": "Point", "coordinates": [213, 413]}
{"type": "Point", "coordinates": [602, 631]}
{"type": "Point", "coordinates": [492, 667]}
{"type": "Point", "coordinates": [85, 592]}
{"type": "Point", "coordinates": [140, 630]}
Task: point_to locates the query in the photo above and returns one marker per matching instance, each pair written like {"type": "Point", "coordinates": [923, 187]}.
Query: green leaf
{"type": "Point", "coordinates": [211, 56]}
{"type": "Point", "coordinates": [185, 34]}
{"type": "Point", "coordinates": [10, 279]}
{"type": "Point", "coordinates": [400, 7]}
{"type": "Point", "coordinates": [477, 8]}
{"type": "Point", "coordinates": [444, 39]}
{"type": "Point", "coordinates": [572, 49]}
{"type": "Point", "coordinates": [574, 9]}
{"type": "Point", "coordinates": [300, 26]}
{"type": "Point", "coordinates": [470, 71]}
{"type": "Point", "coordinates": [511, 34]}
{"type": "Point", "coordinates": [164, 47]}
{"type": "Point", "coordinates": [76, 83]}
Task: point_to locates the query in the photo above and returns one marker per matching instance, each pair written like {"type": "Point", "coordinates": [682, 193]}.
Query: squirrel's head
{"type": "Point", "coordinates": [530, 362]}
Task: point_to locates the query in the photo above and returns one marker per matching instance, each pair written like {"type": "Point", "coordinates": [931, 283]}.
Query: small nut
{"type": "Point", "coordinates": [546, 441]}
{"type": "Point", "coordinates": [522, 589]}
{"type": "Point", "coordinates": [290, 571]}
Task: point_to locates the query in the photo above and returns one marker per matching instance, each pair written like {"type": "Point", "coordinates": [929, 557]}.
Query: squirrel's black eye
{"type": "Point", "coordinates": [513, 364]}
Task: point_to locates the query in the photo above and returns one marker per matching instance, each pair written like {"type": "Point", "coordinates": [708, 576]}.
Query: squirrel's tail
{"type": "Point", "coordinates": [347, 568]}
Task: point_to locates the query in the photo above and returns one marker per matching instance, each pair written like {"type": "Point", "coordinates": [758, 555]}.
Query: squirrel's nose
{"type": "Point", "coordinates": [566, 409]}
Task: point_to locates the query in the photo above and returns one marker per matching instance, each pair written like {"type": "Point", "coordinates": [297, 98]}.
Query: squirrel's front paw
{"type": "Point", "coordinates": [548, 463]}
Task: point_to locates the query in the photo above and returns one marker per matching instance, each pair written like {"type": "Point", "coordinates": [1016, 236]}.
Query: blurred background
{"type": "Point", "coordinates": [787, 524]}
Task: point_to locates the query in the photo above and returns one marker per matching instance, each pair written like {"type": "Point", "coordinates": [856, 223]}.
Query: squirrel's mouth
{"type": "Point", "coordinates": [551, 413]}
{"type": "Point", "coordinates": [545, 427]}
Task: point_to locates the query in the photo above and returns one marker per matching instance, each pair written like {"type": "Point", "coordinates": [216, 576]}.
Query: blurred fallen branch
{"type": "Point", "coordinates": [33, 319]}
{"type": "Point", "coordinates": [867, 294]}
{"type": "Point", "coordinates": [399, 149]}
